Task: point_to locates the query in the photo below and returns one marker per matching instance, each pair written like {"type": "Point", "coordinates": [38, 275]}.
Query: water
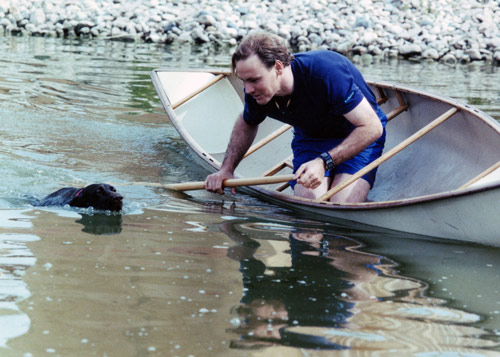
{"type": "Point", "coordinates": [203, 275]}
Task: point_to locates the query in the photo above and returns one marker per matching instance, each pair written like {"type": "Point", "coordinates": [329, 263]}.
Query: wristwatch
{"type": "Point", "coordinates": [329, 163]}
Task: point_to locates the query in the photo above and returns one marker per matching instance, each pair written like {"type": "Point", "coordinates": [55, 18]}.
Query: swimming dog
{"type": "Point", "coordinates": [100, 196]}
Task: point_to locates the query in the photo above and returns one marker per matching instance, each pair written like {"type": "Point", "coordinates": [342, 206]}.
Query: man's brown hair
{"type": "Point", "coordinates": [268, 47]}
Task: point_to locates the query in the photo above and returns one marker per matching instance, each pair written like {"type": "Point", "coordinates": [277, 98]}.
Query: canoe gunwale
{"type": "Point", "coordinates": [441, 98]}
{"type": "Point", "coordinates": [379, 204]}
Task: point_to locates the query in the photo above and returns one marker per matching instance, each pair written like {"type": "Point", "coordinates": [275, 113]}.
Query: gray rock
{"type": "Point", "coordinates": [31, 28]}
{"type": "Point", "coordinates": [6, 23]}
{"type": "Point", "coordinates": [206, 19]}
{"type": "Point", "coordinates": [315, 39]}
{"type": "Point", "coordinates": [449, 59]}
{"type": "Point", "coordinates": [431, 53]}
{"type": "Point", "coordinates": [493, 42]}
{"type": "Point", "coordinates": [37, 17]}
{"type": "Point", "coordinates": [185, 37]}
{"type": "Point", "coordinates": [456, 30]}
{"type": "Point", "coordinates": [85, 30]}
{"type": "Point", "coordinates": [363, 21]}
{"type": "Point", "coordinates": [115, 31]}
{"type": "Point", "coordinates": [154, 37]}
{"type": "Point", "coordinates": [474, 54]}
{"type": "Point", "coordinates": [496, 56]}
{"type": "Point", "coordinates": [199, 35]}
{"type": "Point", "coordinates": [410, 49]}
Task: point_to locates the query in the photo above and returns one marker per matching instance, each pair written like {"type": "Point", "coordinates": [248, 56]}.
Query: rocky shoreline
{"type": "Point", "coordinates": [450, 31]}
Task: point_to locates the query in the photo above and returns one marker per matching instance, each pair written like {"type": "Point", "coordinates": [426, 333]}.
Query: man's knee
{"type": "Point", "coordinates": [354, 193]}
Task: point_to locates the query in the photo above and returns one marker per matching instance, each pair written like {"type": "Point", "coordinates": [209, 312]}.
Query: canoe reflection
{"type": "Point", "coordinates": [327, 293]}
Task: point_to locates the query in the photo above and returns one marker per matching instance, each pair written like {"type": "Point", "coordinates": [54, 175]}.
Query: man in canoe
{"type": "Point", "coordinates": [338, 126]}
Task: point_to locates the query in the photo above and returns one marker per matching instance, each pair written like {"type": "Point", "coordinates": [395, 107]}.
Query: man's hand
{"type": "Point", "coordinates": [242, 137]}
{"type": "Point", "coordinates": [311, 174]}
{"type": "Point", "coordinates": [214, 182]}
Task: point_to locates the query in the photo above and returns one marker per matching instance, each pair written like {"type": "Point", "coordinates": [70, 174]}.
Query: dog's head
{"type": "Point", "coordinates": [101, 196]}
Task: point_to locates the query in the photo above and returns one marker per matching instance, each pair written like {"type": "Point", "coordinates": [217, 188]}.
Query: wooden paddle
{"type": "Point", "coordinates": [200, 185]}
{"type": "Point", "coordinates": [439, 120]}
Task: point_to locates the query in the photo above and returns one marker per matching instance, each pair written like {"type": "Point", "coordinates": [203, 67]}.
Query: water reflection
{"type": "Point", "coordinates": [15, 260]}
{"type": "Point", "coordinates": [101, 224]}
{"type": "Point", "coordinates": [306, 293]}
{"type": "Point", "coordinates": [324, 291]}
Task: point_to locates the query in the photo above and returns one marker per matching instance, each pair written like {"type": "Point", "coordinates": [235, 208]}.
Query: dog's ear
{"type": "Point", "coordinates": [79, 200]}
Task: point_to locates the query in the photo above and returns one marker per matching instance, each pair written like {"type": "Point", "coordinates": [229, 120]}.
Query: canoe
{"type": "Point", "coordinates": [438, 175]}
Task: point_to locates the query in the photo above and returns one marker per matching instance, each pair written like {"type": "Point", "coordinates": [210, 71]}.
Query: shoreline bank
{"type": "Point", "coordinates": [449, 31]}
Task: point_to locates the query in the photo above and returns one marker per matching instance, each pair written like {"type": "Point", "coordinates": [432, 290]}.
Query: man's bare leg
{"type": "Point", "coordinates": [355, 192]}
{"type": "Point", "coordinates": [301, 191]}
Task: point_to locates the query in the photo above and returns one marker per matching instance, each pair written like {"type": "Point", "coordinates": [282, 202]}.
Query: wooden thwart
{"type": "Point", "coordinates": [408, 141]}
{"type": "Point", "coordinates": [382, 98]}
{"type": "Point", "coordinates": [398, 110]}
{"type": "Point", "coordinates": [198, 91]}
{"type": "Point", "coordinates": [279, 166]}
{"type": "Point", "coordinates": [267, 139]}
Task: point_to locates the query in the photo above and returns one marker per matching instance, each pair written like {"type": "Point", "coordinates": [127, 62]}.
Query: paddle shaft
{"type": "Point", "coordinates": [439, 120]}
{"type": "Point", "coordinates": [200, 185]}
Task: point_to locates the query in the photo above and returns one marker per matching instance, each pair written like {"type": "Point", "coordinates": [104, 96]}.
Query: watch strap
{"type": "Point", "coordinates": [327, 159]}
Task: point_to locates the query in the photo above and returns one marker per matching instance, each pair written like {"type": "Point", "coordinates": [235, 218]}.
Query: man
{"type": "Point", "coordinates": [338, 126]}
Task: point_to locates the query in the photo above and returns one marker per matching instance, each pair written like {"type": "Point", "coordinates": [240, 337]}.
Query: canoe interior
{"type": "Point", "coordinates": [442, 160]}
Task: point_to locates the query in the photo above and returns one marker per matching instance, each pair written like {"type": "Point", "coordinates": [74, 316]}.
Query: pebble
{"type": "Point", "coordinates": [449, 31]}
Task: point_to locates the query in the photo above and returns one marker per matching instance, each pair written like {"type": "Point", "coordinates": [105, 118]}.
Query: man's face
{"type": "Point", "coordinates": [259, 81]}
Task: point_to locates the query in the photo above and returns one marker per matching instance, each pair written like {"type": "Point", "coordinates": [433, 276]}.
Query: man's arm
{"type": "Point", "coordinates": [242, 137]}
{"type": "Point", "coordinates": [368, 129]}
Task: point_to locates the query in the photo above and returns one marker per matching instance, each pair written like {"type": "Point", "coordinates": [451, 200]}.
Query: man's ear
{"type": "Point", "coordinates": [279, 67]}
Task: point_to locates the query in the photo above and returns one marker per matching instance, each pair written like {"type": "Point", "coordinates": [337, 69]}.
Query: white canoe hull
{"type": "Point", "coordinates": [471, 216]}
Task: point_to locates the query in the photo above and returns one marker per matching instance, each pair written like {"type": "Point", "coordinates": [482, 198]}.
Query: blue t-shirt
{"type": "Point", "coordinates": [326, 86]}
